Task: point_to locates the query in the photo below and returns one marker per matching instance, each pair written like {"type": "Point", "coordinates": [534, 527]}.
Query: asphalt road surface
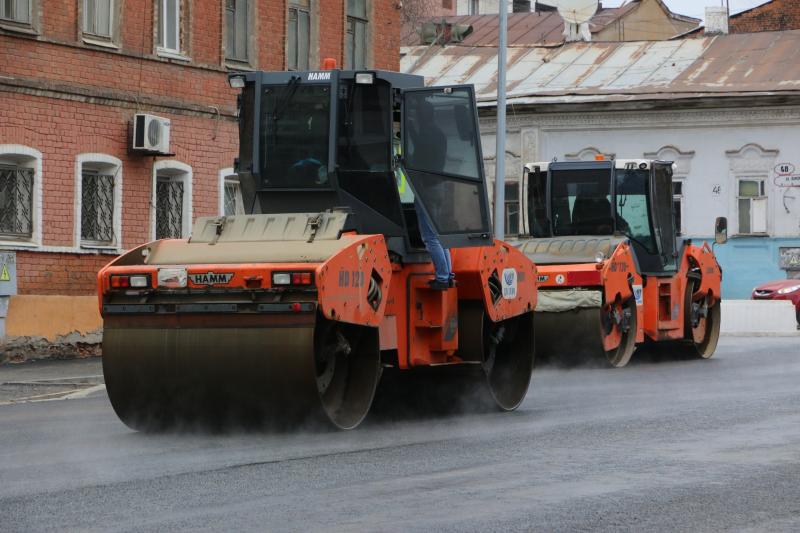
{"type": "Point", "coordinates": [693, 445]}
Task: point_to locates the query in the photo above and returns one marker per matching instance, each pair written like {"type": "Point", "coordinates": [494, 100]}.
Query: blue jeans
{"type": "Point", "coordinates": [440, 255]}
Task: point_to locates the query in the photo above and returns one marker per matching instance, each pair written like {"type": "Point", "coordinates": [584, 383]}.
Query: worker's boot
{"type": "Point", "coordinates": [437, 285]}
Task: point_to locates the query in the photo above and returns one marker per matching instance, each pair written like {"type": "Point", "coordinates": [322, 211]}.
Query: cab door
{"type": "Point", "coordinates": [663, 217]}
{"type": "Point", "coordinates": [442, 157]}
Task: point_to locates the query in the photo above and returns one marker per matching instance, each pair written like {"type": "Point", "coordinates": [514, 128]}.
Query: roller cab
{"type": "Point", "coordinates": [293, 312]}
{"type": "Point", "coordinates": [612, 271]}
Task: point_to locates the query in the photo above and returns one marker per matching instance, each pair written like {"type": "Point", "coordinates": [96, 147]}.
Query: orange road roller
{"type": "Point", "coordinates": [612, 272]}
{"type": "Point", "coordinates": [292, 312]}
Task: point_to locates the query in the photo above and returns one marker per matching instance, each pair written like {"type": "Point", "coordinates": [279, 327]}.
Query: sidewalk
{"type": "Point", "coordinates": [49, 379]}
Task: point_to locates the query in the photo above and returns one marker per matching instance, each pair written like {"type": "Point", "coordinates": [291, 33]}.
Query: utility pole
{"type": "Point", "coordinates": [500, 151]}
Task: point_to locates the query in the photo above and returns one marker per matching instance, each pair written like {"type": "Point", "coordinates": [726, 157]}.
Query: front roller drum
{"type": "Point", "coordinates": [580, 336]}
{"type": "Point", "coordinates": [278, 376]}
{"type": "Point", "coordinates": [702, 317]}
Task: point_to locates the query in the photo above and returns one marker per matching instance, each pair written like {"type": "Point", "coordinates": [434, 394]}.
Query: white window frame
{"type": "Point", "coordinates": [763, 196]}
{"type": "Point", "coordinates": [112, 165]}
{"type": "Point", "coordinates": [750, 162]}
{"type": "Point", "coordinates": [177, 170]}
{"type": "Point", "coordinates": [107, 41]}
{"type": "Point", "coordinates": [24, 26]}
{"type": "Point", "coordinates": [227, 175]}
{"type": "Point", "coordinates": [25, 156]}
{"type": "Point", "coordinates": [508, 204]}
{"type": "Point", "coordinates": [680, 199]}
{"type": "Point", "coordinates": [162, 50]}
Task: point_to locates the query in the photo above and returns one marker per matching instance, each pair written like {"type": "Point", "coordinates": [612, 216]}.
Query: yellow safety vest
{"type": "Point", "coordinates": [406, 195]}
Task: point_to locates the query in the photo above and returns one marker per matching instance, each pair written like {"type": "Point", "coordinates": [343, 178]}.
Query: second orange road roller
{"type": "Point", "coordinates": [612, 272]}
{"type": "Point", "coordinates": [293, 311]}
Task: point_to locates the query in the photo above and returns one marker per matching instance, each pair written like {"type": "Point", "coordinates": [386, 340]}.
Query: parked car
{"type": "Point", "coordinates": [782, 289]}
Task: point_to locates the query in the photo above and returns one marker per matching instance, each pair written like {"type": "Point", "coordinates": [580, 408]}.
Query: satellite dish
{"type": "Point", "coordinates": [576, 11]}
{"type": "Point", "coordinates": [576, 15]}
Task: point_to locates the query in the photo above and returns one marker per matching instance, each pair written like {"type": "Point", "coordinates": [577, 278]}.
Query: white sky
{"type": "Point", "coordinates": [697, 8]}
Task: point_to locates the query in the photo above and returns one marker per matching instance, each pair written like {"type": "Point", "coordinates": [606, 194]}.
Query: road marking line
{"type": "Point", "coordinates": [55, 396]}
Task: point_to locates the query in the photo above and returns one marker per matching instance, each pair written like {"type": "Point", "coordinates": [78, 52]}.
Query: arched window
{"type": "Point", "coordinates": [171, 216]}
{"type": "Point", "coordinates": [230, 193]}
{"type": "Point", "coordinates": [20, 195]}
{"type": "Point", "coordinates": [98, 194]}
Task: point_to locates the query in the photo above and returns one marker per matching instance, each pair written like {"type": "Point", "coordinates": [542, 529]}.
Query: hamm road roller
{"type": "Point", "coordinates": [293, 311]}
{"type": "Point", "coordinates": [612, 272]}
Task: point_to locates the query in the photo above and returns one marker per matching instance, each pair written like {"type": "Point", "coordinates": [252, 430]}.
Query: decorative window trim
{"type": "Point", "coordinates": [751, 162]}
{"type": "Point", "coordinates": [183, 172]}
{"type": "Point", "coordinates": [99, 40]}
{"type": "Point", "coordinates": [31, 158]}
{"type": "Point", "coordinates": [111, 162]}
{"type": "Point", "coordinates": [581, 155]}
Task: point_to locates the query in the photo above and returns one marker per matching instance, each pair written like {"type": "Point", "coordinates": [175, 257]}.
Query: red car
{"type": "Point", "coordinates": [782, 289]}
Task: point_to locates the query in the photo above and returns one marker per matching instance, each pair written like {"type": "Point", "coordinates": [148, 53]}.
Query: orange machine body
{"type": "Point", "coordinates": [660, 309]}
{"type": "Point", "coordinates": [417, 323]}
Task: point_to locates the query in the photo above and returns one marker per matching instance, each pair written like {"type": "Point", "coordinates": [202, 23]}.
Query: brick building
{"type": "Point", "coordinates": [776, 15]}
{"type": "Point", "coordinates": [74, 73]}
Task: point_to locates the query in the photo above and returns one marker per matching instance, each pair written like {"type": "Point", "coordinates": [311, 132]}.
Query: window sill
{"type": "Point", "coordinates": [105, 248]}
{"type": "Point", "coordinates": [745, 235]}
{"type": "Point", "coordinates": [172, 54]}
{"type": "Point", "coordinates": [20, 27]}
{"type": "Point", "coordinates": [99, 41]}
{"type": "Point", "coordinates": [18, 245]}
{"type": "Point", "coordinates": [232, 64]}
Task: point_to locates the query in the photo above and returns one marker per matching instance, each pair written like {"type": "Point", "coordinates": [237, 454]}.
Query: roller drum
{"type": "Point", "coordinates": [162, 376]}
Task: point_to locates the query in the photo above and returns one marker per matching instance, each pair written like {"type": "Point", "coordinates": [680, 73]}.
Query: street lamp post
{"type": "Point", "coordinates": [500, 152]}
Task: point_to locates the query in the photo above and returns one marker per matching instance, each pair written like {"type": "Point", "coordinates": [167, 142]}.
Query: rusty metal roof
{"type": "Point", "coordinates": [523, 28]}
{"type": "Point", "coordinates": [741, 64]}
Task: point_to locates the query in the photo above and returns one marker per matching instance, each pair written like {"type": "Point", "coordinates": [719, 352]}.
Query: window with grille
{"type": "Point", "coordinates": [169, 25]}
{"type": "Point", "coordinates": [752, 206]}
{"type": "Point", "coordinates": [356, 38]}
{"type": "Point", "coordinates": [16, 202]}
{"type": "Point", "coordinates": [298, 35]}
{"type": "Point", "coordinates": [677, 204]}
{"type": "Point", "coordinates": [512, 209]}
{"type": "Point", "coordinates": [97, 208]}
{"type": "Point", "coordinates": [232, 202]}
{"type": "Point", "coordinates": [169, 207]}
{"type": "Point", "coordinates": [236, 22]}
{"type": "Point", "coordinates": [16, 11]}
{"type": "Point", "coordinates": [98, 18]}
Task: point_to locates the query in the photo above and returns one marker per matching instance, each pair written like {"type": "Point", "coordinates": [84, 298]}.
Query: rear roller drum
{"type": "Point", "coordinates": [505, 350]}
{"type": "Point", "coordinates": [589, 336]}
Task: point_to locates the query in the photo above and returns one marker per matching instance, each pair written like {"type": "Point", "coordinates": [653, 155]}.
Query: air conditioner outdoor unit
{"type": "Point", "coordinates": [150, 134]}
